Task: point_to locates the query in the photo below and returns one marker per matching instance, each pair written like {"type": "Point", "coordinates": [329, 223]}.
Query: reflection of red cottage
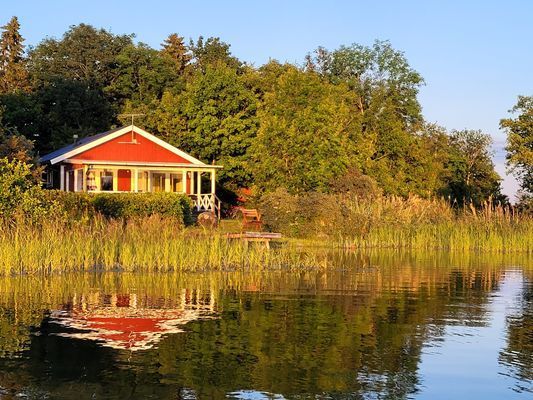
{"type": "Point", "coordinates": [122, 324]}
{"type": "Point", "coordinates": [129, 159]}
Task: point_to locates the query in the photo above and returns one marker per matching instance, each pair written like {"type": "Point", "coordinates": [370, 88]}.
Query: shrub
{"type": "Point", "coordinates": [346, 215]}
{"type": "Point", "coordinates": [79, 205]}
{"type": "Point", "coordinates": [130, 205]}
{"type": "Point", "coordinates": [20, 194]}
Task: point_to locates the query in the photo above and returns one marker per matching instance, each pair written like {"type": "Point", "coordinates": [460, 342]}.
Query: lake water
{"type": "Point", "coordinates": [380, 326]}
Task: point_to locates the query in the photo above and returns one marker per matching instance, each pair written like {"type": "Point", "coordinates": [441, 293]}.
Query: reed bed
{"type": "Point", "coordinates": [164, 245]}
{"type": "Point", "coordinates": [147, 244]}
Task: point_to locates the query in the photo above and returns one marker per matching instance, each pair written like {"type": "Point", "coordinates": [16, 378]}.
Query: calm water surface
{"type": "Point", "coordinates": [377, 327]}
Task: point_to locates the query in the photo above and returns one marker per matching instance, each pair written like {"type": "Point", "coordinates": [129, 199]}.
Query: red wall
{"type": "Point", "coordinates": [121, 149]}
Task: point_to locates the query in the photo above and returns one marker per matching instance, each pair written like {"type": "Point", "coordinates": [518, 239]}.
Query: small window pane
{"type": "Point", "coordinates": [106, 181]}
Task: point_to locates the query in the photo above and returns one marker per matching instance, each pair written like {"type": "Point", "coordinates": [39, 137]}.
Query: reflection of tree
{"type": "Point", "coordinates": [518, 354]}
{"type": "Point", "coordinates": [355, 330]}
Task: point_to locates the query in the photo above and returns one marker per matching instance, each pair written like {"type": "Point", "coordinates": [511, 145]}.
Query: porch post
{"type": "Point", "coordinates": [199, 184]}
{"type": "Point", "coordinates": [61, 177]}
{"type": "Point", "coordinates": [115, 180]}
{"type": "Point", "coordinates": [213, 182]}
{"type": "Point", "coordinates": [184, 180]}
{"type": "Point", "coordinates": [135, 180]}
{"type": "Point", "coordinates": [167, 182]}
{"type": "Point", "coordinates": [191, 188]}
{"type": "Point", "coordinates": [84, 179]}
{"type": "Point", "coordinates": [75, 172]}
{"type": "Point", "coordinates": [67, 181]}
{"type": "Point", "coordinates": [149, 182]}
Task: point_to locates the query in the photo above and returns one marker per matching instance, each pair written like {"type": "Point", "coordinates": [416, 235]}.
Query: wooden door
{"type": "Point", "coordinates": [124, 180]}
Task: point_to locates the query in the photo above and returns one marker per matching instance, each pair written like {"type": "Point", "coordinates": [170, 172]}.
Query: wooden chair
{"type": "Point", "coordinates": [251, 219]}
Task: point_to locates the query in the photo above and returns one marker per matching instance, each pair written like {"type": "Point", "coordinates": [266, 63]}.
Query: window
{"type": "Point", "coordinates": [106, 180]}
{"type": "Point", "coordinates": [142, 183]}
{"type": "Point", "coordinates": [158, 182]}
{"type": "Point", "coordinates": [177, 183]}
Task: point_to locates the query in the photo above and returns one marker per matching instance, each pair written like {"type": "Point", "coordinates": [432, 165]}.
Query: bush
{"type": "Point", "coordinates": [78, 205]}
{"type": "Point", "coordinates": [20, 194]}
{"type": "Point", "coordinates": [345, 215]}
{"type": "Point", "coordinates": [130, 205]}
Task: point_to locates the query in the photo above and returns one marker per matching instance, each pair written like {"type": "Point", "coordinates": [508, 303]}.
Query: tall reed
{"type": "Point", "coordinates": [149, 244]}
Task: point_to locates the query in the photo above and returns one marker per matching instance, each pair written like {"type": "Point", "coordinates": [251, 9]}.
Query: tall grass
{"type": "Point", "coordinates": [148, 244]}
{"type": "Point", "coordinates": [396, 222]}
{"type": "Point", "coordinates": [163, 244]}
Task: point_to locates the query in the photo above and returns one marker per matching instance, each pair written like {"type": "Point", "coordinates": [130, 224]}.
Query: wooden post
{"type": "Point", "coordinates": [213, 181]}
{"type": "Point", "coordinates": [167, 182]}
{"type": "Point", "coordinates": [199, 184]}
{"type": "Point", "coordinates": [184, 181]}
{"type": "Point", "coordinates": [67, 182]}
{"type": "Point", "coordinates": [62, 177]}
{"type": "Point", "coordinates": [84, 179]}
{"type": "Point", "coordinates": [75, 172]}
{"type": "Point", "coordinates": [135, 180]}
{"type": "Point", "coordinates": [115, 180]}
{"type": "Point", "coordinates": [192, 183]}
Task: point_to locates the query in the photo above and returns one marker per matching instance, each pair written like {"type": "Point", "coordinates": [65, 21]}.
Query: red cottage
{"type": "Point", "coordinates": [129, 159]}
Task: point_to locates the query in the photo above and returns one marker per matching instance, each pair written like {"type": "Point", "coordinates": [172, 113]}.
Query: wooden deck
{"type": "Point", "coordinates": [261, 237]}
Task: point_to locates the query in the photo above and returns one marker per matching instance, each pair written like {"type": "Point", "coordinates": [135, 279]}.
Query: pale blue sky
{"type": "Point", "coordinates": [476, 56]}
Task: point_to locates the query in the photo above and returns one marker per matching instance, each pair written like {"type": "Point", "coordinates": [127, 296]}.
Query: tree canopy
{"type": "Point", "coordinates": [520, 142]}
{"type": "Point", "coordinates": [349, 115]}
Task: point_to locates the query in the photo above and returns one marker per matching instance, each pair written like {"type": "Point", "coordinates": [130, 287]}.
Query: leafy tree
{"type": "Point", "coordinates": [520, 142]}
{"type": "Point", "coordinates": [472, 176]}
{"type": "Point", "coordinates": [13, 74]}
{"type": "Point", "coordinates": [212, 51]}
{"type": "Point", "coordinates": [141, 75]}
{"type": "Point", "coordinates": [84, 54]}
{"type": "Point", "coordinates": [371, 71]}
{"type": "Point", "coordinates": [308, 134]}
{"type": "Point", "coordinates": [213, 119]}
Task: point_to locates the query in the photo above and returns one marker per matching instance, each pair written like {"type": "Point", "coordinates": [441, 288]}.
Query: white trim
{"type": "Point", "coordinates": [140, 164]}
{"type": "Point", "coordinates": [184, 181]}
{"type": "Point", "coordinates": [62, 177]}
{"type": "Point", "coordinates": [213, 181]}
{"type": "Point", "coordinates": [121, 132]}
{"type": "Point", "coordinates": [135, 180]}
{"type": "Point", "coordinates": [199, 183]}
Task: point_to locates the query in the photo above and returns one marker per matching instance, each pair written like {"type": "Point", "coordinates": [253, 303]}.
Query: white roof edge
{"type": "Point", "coordinates": [120, 132]}
{"type": "Point", "coordinates": [139, 163]}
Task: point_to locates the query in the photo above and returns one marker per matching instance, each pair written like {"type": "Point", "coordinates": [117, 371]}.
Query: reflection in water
{"type": "Point", "coordinates": [122, 321]}
{"type": "Point", "coordinates": [379, 326]}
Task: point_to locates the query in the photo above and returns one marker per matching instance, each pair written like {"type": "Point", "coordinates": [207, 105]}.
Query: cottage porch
{"type": "Point", "coordinates": [197, 182]}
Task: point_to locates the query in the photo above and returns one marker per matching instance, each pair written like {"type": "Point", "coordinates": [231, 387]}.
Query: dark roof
{"type": "Point", "coordinates": [81, 142]}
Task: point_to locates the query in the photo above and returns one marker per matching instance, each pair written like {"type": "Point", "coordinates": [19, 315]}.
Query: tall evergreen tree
{"type": "Point", "coordinates": [175, 48]}
{"type": "Point", "coordinates": [13, 74]}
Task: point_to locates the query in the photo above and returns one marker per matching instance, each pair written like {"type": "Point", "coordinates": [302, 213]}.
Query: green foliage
{"type": "Point", "coordinates": [80, 205]}
{"type": "Point", "coordinates": [175, 49]}
{"type": "Point", "coordinates": [308, 134]}
{"type": "Point", "coordinates": [472, 178]}
{"type": "Point", "coordinates": [83, 54]}
{"type": "Point", "coordinates": [520, 142]}
{"type": "Point", "coordinates": [211, 52]}
{"type": "Point", "coordinates": [354, 108]}
{"type": "Point", "coordinates": [141, 75]}
{"type": "Point", "coordinates": [20, 195]}
{"type": "Point", "coordinates": [13, 73]}
{"type": "Point", "coordinates": [213, 119]}
{"type": "Point", "coordinates": [130, 205]}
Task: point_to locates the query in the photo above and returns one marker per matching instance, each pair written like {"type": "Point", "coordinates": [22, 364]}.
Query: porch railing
{"type": "Point", "coordinates": [207, 202]}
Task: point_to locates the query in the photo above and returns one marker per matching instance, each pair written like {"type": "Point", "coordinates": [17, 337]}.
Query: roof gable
{"type": "Point", "coordinates": [129, 143]}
